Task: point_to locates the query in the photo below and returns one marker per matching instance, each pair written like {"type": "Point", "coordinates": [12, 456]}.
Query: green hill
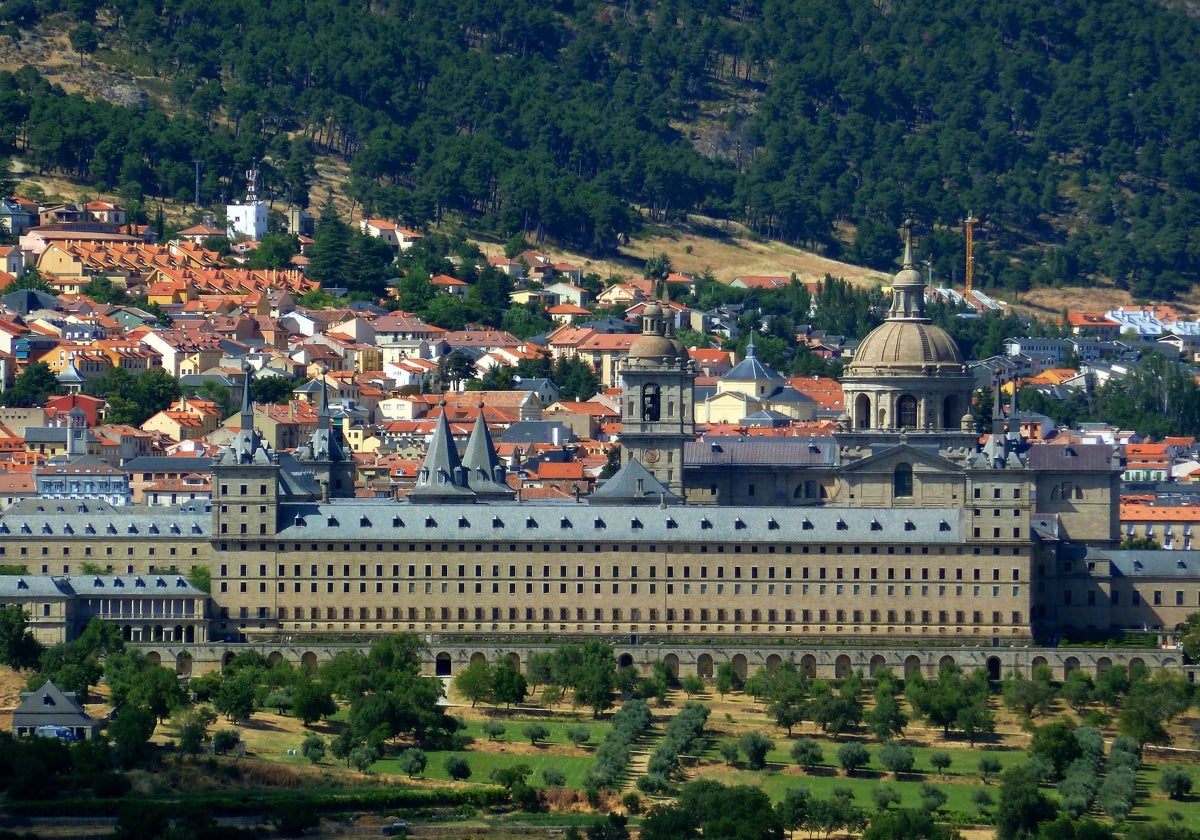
{"type": "Point", "coordinates": [1072, 128]}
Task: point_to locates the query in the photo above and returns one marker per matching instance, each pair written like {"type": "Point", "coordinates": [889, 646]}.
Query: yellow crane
{"type": "Point", "coordinates": [969, 226]}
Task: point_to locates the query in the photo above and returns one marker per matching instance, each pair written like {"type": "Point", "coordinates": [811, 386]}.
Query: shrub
{"type": "Point", "coordinates": [313, 748]}
{"type": "Point", "coordinates": [852, 756]}
{"type": "Point", "coordinates": [361, 758]}
{"type": "Point", "coordinates": [493, 729]}
{"type": "Point", "coordinates": [632, 802]}
{"type": "Point", "coordinates": [553, 777]}
{"type": "Point", "coordinates": [939, 761]}
{"type": "Point", "coordinates": [1175, 782]}
{"type": "Point", "coordinates": [578, 735]}
{"type": "Point", "coordinates": [223, 740]}
{"type": "Point", "coordinates": [412, 762]}
{"type": "Point", "coordinates": [897, 758]}
{"type": "Point", "coordinates": [756, 746]}
{"type": "Point", "coordinates": [535, 732]}
{"type": "Point", "coordinates": [932, 797]}
{"type": "Point", "coordinates": [807, 753]}
{"type": "Point", "coordinates": [653, 783]}
{"type": "Point", "coordinates": [728, 751]}
{"type": "Point", "coordinates": [983, 799]}
{"type": "Point", "coordinates": [885, 796]}
{"type": "Point", "coordinates": [989, 766]}
{"type": "Point", "coordinates": [457, 768]}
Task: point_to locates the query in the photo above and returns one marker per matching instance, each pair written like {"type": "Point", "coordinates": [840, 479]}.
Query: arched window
{"type": "Point", "coordinates": [651, 403]}
{"type": "Point", "coordinates": [902, 480]}
{"type": "Point", "coordinates": [810, 489]}
{"type": "Point", "coordinates": [906, 412]}
{"type": "Point", "coordinates": [862, 412]}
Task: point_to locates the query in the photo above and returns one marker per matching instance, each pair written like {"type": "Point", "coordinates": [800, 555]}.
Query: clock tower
{"type": "Point", "coordinates": [657, 414]}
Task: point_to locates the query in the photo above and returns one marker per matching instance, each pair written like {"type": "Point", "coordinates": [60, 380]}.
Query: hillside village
{"type": "Point", "coordinates": [389, 377]}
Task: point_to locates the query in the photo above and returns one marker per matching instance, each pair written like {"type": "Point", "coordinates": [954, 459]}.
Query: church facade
{"type": "Point", "coordinates": [900, 528]}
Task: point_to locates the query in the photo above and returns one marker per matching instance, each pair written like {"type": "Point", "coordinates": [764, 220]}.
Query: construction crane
{"type": "Point", "coordinates": [969, 226]}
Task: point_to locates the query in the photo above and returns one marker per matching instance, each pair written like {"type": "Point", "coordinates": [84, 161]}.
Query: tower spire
{"type": "Point", "coordinates": [247, 403]}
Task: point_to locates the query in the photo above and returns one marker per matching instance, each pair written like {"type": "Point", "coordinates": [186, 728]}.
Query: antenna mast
{"type": "Point", "coordinates": [969, 225]}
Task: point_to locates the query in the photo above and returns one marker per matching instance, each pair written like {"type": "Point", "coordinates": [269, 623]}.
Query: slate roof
{"type": "Point", "coordinates": [35, 516]}
{"type": "Point", "coordinates": [51, 706]}
{"type": "Point", "coordinates": [738, 451]}
{"type": "Point", "coordinates": [1149, 563]}
{"type": "Point", "coordinates": [1092, 457]}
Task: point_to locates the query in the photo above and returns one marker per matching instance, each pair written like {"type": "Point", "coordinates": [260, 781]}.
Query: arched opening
{"type": "Point", "coordinates": [1070, 664]}
{"type": "Point", "coordinates": [625, 660]}
{"type": "Point", "coordinates": [862, 412]}
{"type": "Point", "coordinates": [951, 412]}
{"type": "Point", "coordinates": [1136, 664]}
{"type": "Point", "coordinates": [993, 668]}
{"type": "Point", "coordinates": [308, 662]}
{"type": "Point", "coordinates": [127, 633]}
{"type": "Point", "coordinates": [946, 662]}
{"type": "Point", "coordinates": [513, 659]}
{"type": "Point", "coordinates": [442, 664]}
{"type": "Point", "coordinates": [811, 491]}
{"type": "Point", "coordinates": [1038, 661]}
{"type": "Point", "coordinates": [154, 658]}
{"type": "Point", "coordinates": [906, 412]}
{"type": "Point", "coordinates": [226, 659]}
{"type": "Point", "coordinates": [651, 403]}
{"type": "Point", "coordinates": [774, 661]}
{"type": "Point", "coordinates": [877, 664]}
{"type": "Point", "coordinates": [912, 665]}
{"type": "Point", "coordinates": [902, 481]}
{"type": "Point", "coordinates": [672, 664]}
{"type": "Point", "coordinates": [1103, 664]}
{"type": "Point", "coordinates": [177, 633]}
{"type": "Point", "coordinates": [739, 665]}
{"type": "Point", "coordinates": [477, 657]}
{"type": "Point", "coordinates": [183, 664]}
{"type": "Point", "coordinates": [274, 658]}
{"type": "Point", "coordinates": [189, 634]}
{"type": "Point", "coordinates": [704, 666]}
{"type": "Point", "coordinates": [842, 667]}
{"type": "Point", "coordinates": [808, 665]}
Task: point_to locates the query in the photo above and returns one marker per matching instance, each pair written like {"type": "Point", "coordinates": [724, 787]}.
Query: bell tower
{"type": "Point", "coordinates": [658, 414]}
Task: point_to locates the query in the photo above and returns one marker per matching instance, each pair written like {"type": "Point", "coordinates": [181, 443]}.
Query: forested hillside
{"type": "Point", "coordinates": [1072, 128]}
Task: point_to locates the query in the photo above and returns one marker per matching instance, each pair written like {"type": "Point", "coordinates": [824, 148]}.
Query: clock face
{"type": "Point", "coordinates": [652, 455]}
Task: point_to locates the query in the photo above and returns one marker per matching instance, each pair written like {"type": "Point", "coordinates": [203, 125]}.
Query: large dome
{"type": "Point", "coordinates": [906, 348]}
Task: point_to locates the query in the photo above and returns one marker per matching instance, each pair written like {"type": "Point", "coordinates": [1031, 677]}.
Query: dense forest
{"type": "Point", "coordinates": [1070, 128]}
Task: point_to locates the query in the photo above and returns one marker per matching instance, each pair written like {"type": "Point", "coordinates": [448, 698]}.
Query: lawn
{"type": "Point", "coordinates": [482, 764]}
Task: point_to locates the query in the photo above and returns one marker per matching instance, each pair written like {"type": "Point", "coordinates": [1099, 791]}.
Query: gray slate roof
{"type": "Point", "coordinates": [75, 518]}
{"type": "Point", "coordinates": [784, 452]}
{"type": "Point", "coordinates": [383, 519]}
{"type": "Point", "coordinates": [1149, 563]}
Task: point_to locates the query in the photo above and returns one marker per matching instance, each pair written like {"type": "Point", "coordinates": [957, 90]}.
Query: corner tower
{"type": "Point", "coordinates": [658, 412]}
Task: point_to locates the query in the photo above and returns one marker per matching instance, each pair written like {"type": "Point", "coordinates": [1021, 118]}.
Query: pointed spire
{"type": "Point", "coordinates": [247, 405]}
{"type": "Point", "coordinates": [485, 472]}
{"type": "Point", "coordinates": [323, 412]}
{"type": "Point", "coordinates": [751, 350]}
{"type": "Point", "coordinates": [908, 286]}
{"type": "Point", "coordinates": [442, 477]}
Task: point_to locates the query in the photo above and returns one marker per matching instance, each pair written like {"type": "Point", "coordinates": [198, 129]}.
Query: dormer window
{"type": "Point", "coordinates": [530, 522]}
